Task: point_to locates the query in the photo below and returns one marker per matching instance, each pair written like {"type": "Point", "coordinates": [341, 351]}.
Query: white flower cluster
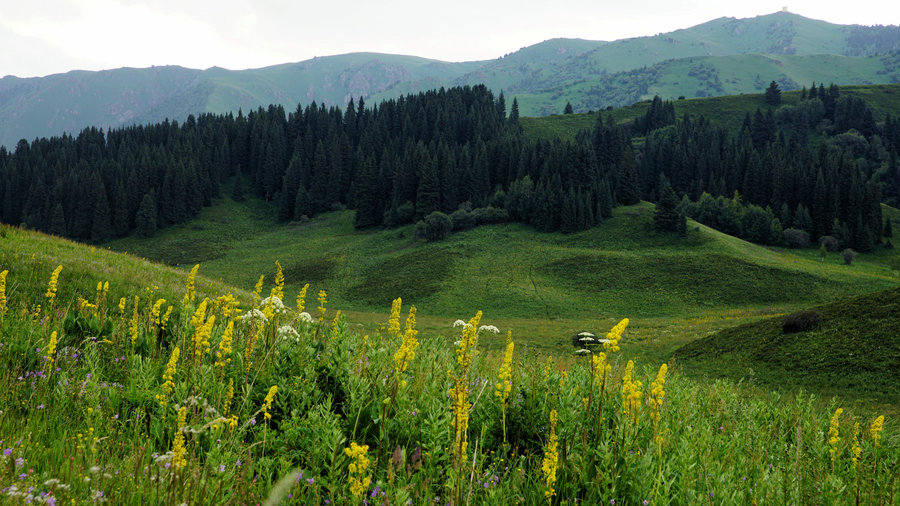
{"type": "Point", "coordinates": [460, 323]}
{"type": "Point", "coordinates": [305, 317]}
{"type": "Point", "coordinates": [275, 303]}
{"type": "Point", "coordinates": [489, 328]}
{"type": "Point", "coordinates": [288, 333]}
{"type": "Point", "coordinates": [253, 314]}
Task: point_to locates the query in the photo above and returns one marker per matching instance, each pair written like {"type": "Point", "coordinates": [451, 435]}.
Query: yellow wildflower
{"type": "Point", "coordinates": [615, 335]}
{"type": "Point", "coordinates": [51, 286]}
{"type": "Point", "coordinates": [122, 303]}
{"type": "Point", "coordinates": [548, 368]}
{"type": "Point", "coordinates": [199, 315]}
{"type": "Point", "coordinates": [155, 319]}
{"type": "Point", "coordinates": [551, 459]}
{"type": "Point", "coordinates": [3, 307]}
{"type": "Point", "coordinates": [459, 392]}
{"type": "Point", "coordinates": [223, 356]}
{"type": "Point", "coordinates": [855, 449]}
{"type": "Point", "coordinates": [278, 290]}
{"type": "Point", "coordinates": [504, 383]}
{"type": "Point", "coordinates": [834, 434]}
{"type": "Point", "coordinates": [178, 449]}
{"type": "Point", "coordinates": [407, 350]}
{"type": "Point", "coordinates": [228, 304]}
{"type": "Point", "coordinates": [335, 323]}
{"type": "Point", "coordinates": [875, 429]}
{"type": "Point", "coordinates": [189, 286]}
{"type": "Point", "coordinates": [165, 318]}
{"type": "Point", "coordinates": [657, 393]}
{"type": "Point", "coordinates": [267, 403]}
{"type": "Point", "coordinates": [257, 290]}
{"type": "Point", "coordinates": [322, 300]}
{"type": "Point", "coordinates": [631, 392]}
{"type": "Point", "coordinates": [358, 467]}
{"type": "Point", "coordinates": [301, 299]}
{"type": "Point", "coordinates": [201, 340]}
{"type": "Point", "coordinates": [51, 352]}
{"type": "Point", "coordinates": [394, 320]}
{"type": "Point", "coordinates": [169, 376]}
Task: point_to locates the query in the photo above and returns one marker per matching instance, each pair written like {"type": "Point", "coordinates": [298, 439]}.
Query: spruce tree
{"type": "Point", "coordinates": [145, 220]}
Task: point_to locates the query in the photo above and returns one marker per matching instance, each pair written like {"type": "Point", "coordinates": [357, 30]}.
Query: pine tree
{"type": "Point", "coordinates": [145, 220]}
{"type": "Point", "coordinates": [773, 95]}
{"type": "Point", "coordinates": [568, 109]}
{"type": "Point", "coordinates": [667, 218]}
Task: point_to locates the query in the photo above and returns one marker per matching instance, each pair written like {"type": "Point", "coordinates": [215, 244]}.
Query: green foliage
{"type": "Point", "coordinates": [305, 392]}
{"type": "Point", "coordinates": [853, 347]}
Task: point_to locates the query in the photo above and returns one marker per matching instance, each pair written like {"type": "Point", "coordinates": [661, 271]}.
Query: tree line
{"type": "Point", "coordinates": [461, 152]}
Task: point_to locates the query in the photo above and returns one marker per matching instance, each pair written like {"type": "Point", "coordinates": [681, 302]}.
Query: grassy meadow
{"type": "Point", "coordinates": [109, 396]}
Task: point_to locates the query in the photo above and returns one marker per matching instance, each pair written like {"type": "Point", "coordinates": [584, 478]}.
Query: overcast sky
{"type": "Point", "coordinates": [43, 37]}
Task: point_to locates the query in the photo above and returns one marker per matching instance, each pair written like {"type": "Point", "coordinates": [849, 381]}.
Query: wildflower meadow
{"type": "Point", "coordinates": [223, 398]}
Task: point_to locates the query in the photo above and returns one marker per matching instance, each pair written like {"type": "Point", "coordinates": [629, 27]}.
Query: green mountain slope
{"type": "Point", "coordinates": [619, 268]}
{"type": "Point", "coordinates": [719, 57]}
{"type": "Point", "coordinates": [855, 346]}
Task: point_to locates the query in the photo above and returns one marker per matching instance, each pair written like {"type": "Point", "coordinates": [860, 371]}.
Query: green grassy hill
{"type": "Point", "coordinates": [545, 285]}
{"type": "Point", "coordinates": [726, 111]}
{"type": "Point", "coordinates": [854, 347]}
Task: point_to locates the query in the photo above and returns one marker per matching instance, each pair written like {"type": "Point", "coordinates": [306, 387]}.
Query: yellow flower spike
{"type": "Point", "coordinates": [407, 350]}
{"type": "Point", "coordinates": [201, 340]}
{"type": "Point", "coordinates": [394, 320]}
{"type": "Point", "coordinates": [875, 429]}
{"type": "Point", "coordinates": [358, 467]}
{"type": "Point", "coordinates": [631, 392]}
{"type": "Point", "coordinates": [189, 286]}
{"type": "Point", "coordinates": [178, 449]}
{"type": "Point", "coordinates": [3, 307]}
{"type": "Point", "coordinates": [615, 335]}
{"type": "Point", "coordinates": [550, 463]}
{"type": "Point", "coordinates": [301, 298]}
{"type": "Point", "coordinates": [257, 290]}
{"type": "Point", "coordinates": [155, 317]}
{"type": "Point", "coordinates": [223, 356]}
{"type": "Point", "coordinates": [504, 378]}
{"type": "Point", "coordinates": [267, 403]}
{"type": "Point", "coordinates": [165, 318]}
{"type": "Point", "coordinates": [199, 316]}
{"type": "Point", "coordinates": [278, 290]}
{"type": "Point", "coordinates": [122, 303]}
{"type": "Point", "coordinates": [322, 301]}
{"type": "Point", "coordinates": [169, 376]}
{"type": "Point", "coordinates": [335, 323]}
{"type": "Point", "coordinates": [834, 434]}
{"type": "Point", "coordinates": [855, 448]}
{"type": "Point", "coordinates": [51, 286]}
{"type": "Point", "coordinates": [51, 352]}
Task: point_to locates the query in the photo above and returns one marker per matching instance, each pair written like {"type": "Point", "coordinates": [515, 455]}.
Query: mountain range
{"type": "Point", "coordinates": [719, 57]}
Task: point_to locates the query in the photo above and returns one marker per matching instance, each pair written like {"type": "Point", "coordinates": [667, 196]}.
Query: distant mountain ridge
{"type": "Point", "coordinates": [545, 76]}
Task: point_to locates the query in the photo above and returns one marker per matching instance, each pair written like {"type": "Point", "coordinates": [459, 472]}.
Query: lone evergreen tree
{"type": "Point", "coordinates": [773, 95]}
{"type": "Point", "coordinates": [568, 109]}
{"type": "Point", "coordinates": [666, 218]}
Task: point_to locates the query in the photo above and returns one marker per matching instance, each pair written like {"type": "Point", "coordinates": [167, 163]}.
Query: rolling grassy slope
{"type": "Point", "coordinates": [726, 111]}
{"type": "Point", "coordinates": [547, 286]}
{"type": "Point", "coordinates": [855, 347]}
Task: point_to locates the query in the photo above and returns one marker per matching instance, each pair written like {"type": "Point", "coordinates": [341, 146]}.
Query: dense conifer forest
{"type": "Point", "coordinates": [455, 158]}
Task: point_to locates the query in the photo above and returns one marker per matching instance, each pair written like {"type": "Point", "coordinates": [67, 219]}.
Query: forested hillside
{"type": "Point", "coordinates": [455, 159]}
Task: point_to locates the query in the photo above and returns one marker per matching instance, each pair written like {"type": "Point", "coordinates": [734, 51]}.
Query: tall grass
{"type": "Point", "coordinates": [261, 402]}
